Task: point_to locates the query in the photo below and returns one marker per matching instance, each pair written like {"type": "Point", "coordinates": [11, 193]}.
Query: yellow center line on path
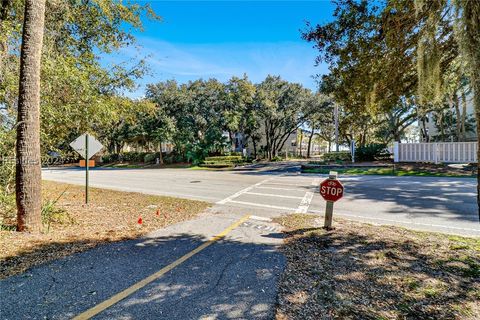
{"type": "Point", "coordinates": [137, 286]}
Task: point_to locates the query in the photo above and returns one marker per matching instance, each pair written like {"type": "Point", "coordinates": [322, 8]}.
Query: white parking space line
{"type": "Point", "coordinates": [272, 195]}
{"type": "Point", "coordinates": [239, 193]}
{"type": "Point", "coordinates": [261, 205]}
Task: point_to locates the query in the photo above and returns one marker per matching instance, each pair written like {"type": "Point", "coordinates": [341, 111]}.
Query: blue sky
{"type": "Point", "coordinates": [220, 39]}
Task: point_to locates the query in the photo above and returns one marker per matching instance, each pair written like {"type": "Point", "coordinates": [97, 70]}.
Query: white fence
{"type": "Point", "coordinates": [447, 152]}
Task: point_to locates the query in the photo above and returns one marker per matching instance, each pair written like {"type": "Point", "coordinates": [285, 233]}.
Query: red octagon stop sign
{"type": "Point", "coordinates": [331, 190]}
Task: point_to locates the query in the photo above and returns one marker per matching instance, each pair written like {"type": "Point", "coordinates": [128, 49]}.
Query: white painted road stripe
{"type": "Point", "coordinates": [239, 193]}
{"type": "Point", "coordinates": [286, 184]}
{"type": "Point", "coordinates": [303, 207]}
{"type": "Point", "coordinates": [273, 188]}
{"type": "Point", "coordinates": [261, 205]}
{"type": "Point", "coordinates": [397, 221]}
{"type": "Point", "coordinates": [272, 195]}
{"type": "Point", "coordinates": [260, 218]}
{"type": "Point", "coordinates": [307, 199]}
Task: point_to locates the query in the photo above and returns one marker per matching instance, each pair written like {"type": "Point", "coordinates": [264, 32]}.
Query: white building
{"type": "Point", "coordinates": [429, 130]}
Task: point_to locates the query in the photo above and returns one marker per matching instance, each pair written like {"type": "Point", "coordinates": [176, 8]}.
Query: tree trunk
{"type": "Point", "coordinates": [232, 140]}
{"type": "Point", "coordinates": [301, 142]}
{"type": "Point", "coordinates": [458, 115]}
{"type": "Point", "coordinates": [310, 143]}
{"type": "Point", "coordinates": [254, 148]}
{"type": "Point", "coordinates": [161, 154]}
{"type": "Point", "coordinates": [28, 167]}
{"type": "Point", "coordinates": [464, 116]}
{"type": "Point", "coordinates": [471, 12]}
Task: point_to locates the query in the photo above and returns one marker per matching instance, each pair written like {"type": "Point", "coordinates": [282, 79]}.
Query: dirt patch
{"type": "Point", "coordinates": [110, 216]}
{"type": "Point", "coordinates": [360, 271]}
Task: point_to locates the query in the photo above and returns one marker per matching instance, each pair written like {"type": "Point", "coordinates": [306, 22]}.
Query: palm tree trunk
{"type": "Point", "coordinates": [28, 168]}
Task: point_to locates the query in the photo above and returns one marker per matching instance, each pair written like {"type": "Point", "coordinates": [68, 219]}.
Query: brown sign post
{"type": "Point", "coordinates": [331, 190]}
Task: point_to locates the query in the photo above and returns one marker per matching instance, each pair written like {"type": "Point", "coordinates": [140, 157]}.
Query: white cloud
{"type": "Point", "coordinates": [293, 61]}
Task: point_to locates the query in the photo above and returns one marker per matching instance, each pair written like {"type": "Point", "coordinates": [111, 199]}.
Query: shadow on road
{"type": "Point", "coordinates": [227, 280]}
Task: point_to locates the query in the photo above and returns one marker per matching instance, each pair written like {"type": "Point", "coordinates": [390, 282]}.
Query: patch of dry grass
{"type": "Point", "coordinates": [110, 216]}
{"type": "Point", "coordinates": [360, 271]}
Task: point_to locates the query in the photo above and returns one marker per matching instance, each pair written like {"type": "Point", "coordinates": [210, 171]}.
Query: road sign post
{"type": "Point", "coordinates": [87, 146]}
{"type": "Point", "coordinates": [86, 168]}
{"type": "Point", "coordinates": [331, 190]}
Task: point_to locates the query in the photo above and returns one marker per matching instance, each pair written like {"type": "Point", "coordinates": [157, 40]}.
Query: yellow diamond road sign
{"type": "Point", "coordinates": [79, 145]}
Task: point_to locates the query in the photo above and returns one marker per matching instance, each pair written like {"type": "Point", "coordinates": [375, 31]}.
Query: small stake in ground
{"type": "Point", "coordinates": [331, 190]}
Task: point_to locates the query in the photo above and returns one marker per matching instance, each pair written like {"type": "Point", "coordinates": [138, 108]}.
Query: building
{"type": "Point", "coordinates": [296, 144]}
{"type": "Point", "coordinates": [430, 130]}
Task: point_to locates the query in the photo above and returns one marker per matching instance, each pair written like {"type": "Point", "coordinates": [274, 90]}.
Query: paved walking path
{"type": "Point", "coordinates": [231, 276]}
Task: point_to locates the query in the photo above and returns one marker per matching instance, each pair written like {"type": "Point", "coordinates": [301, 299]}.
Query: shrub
{"type": "Point", "coordinates": [224, 159]}
{"type": "Point", "coordinates": [150, 157]}
{"type": "Point", "coordinates": [371, 152]}
{"type": "Point", "coordinates": [337, 156]}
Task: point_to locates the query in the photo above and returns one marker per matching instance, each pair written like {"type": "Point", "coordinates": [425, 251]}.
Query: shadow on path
{"type": "Point", "coordinates": [227, 280]}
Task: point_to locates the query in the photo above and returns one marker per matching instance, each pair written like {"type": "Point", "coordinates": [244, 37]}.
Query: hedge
{"type": "Point", "coordinates": [337, 156]}
{"type": "Point", "coordinates": [224, 159]}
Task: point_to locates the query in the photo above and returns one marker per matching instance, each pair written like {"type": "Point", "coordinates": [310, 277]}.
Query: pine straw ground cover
{"type": "Point", "coordinates": [361, 271]}
{"type": "Point", "coordinates": [110, 216]}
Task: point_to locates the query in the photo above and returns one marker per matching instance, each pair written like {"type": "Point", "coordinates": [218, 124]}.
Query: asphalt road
{"type": "Point", "coordinates": [424, 203]}
{"type": "Point", "coordinates": [224, 264]}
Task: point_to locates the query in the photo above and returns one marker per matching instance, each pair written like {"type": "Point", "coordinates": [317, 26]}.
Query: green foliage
{"type": "Point", "coordinates": [78, 93]}
{"type": "Point", "coordinates": [371, 152]}
{"type": "Point", "coordinates": [150, 157]}
{"type": "Point", "coordinates": [337, 156]}
{"type": "Point", "coordinates": [7, 176]}
{"type": "Point", "coordinates": [224, 159]}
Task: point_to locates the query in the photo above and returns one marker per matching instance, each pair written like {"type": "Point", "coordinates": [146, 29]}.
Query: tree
{"type": "Point", "coordinates": [28, 168]}
{"type": "Point", "coordinates": [319, 119]}
{"type": "Point", "coordinates": [442, 41]}
{"type": "Point", "coordinates": [370, 49]}
{"type": "Point", "coordinates": [78, 92]}
{"type": "Point", "coordinates": [239, 96]}
{"type": "Point", "coordinates": [280, 105]}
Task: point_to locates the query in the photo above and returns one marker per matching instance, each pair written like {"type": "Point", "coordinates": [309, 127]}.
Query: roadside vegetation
{"type": "Point", "coordinates": [69, 226]}
{"type": "Point", "coordinates": [400, 169]}
{"type": "Point", "coordinates": [361, 271]}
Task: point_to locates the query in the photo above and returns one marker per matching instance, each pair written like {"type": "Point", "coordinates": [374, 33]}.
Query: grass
{"type": "Point", "coordinates": [71, 226]}
{"type": "Point", "coordinates": [361, 271]}
{"type": "Point", "coordinates": [386, 172]}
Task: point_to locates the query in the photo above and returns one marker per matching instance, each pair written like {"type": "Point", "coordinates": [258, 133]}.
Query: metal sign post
{"type": "Point", "coordinates": [331, 190]}
{"type": "Point", "coordinates": [86, 168]}
{"type": "Point", "coordinates": [353, 151]}
{"type": "Point", "coordinates": [87, 146]}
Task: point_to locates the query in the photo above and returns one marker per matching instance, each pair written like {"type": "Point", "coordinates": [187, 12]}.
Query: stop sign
{"type": "Point", "coordinates": [331, 190]}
